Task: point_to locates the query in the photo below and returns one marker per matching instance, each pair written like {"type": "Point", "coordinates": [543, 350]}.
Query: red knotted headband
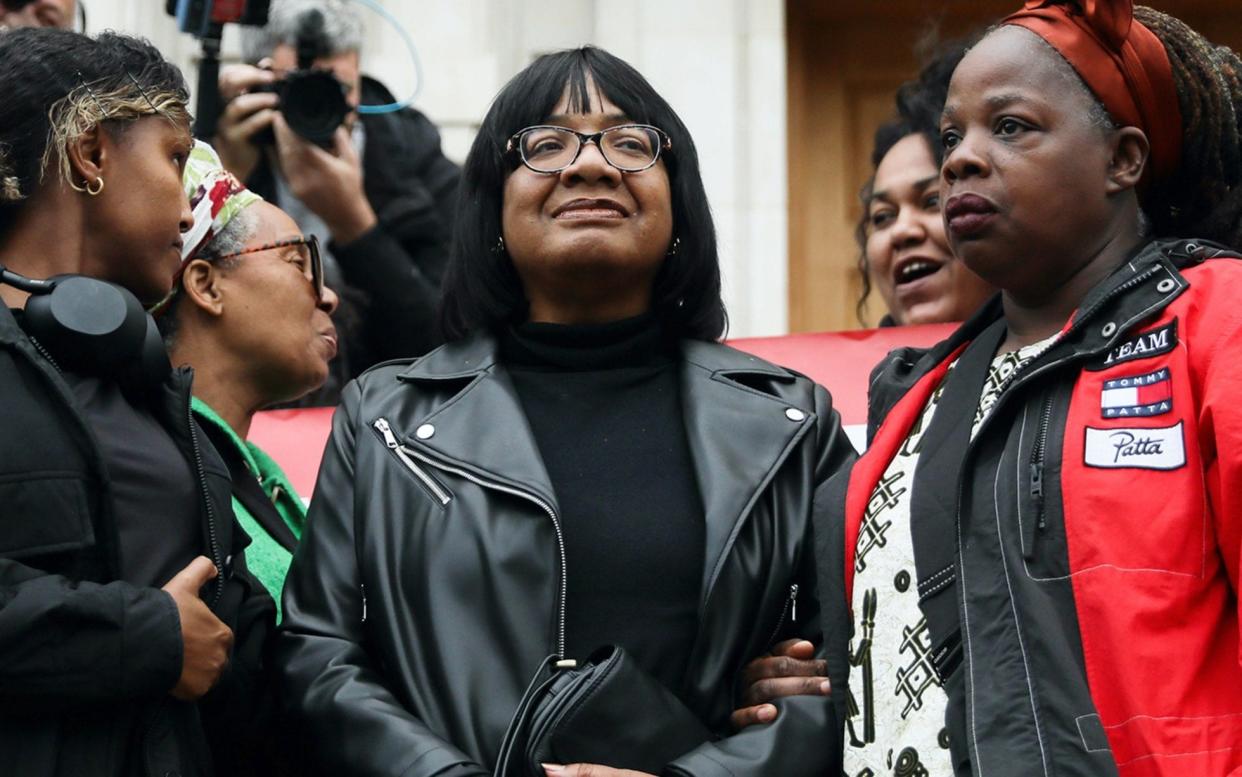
{"type": "Point", "coordinates": [1122, 61]}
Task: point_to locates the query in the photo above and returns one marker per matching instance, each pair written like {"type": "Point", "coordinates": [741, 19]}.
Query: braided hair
{"type": "Point", "coordinates": [60, 84]}
{"type": "Point", "coordinates": [1204, 197]}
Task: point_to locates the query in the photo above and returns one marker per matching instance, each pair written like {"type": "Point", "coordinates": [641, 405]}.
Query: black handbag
{"type": "Point", "coordinates": [607, 711]}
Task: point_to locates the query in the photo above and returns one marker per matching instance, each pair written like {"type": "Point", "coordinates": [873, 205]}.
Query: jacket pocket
{"type": "Point", "coordinates": [44, 513]}
{"type": "Point", "coordinates": [425, 480]}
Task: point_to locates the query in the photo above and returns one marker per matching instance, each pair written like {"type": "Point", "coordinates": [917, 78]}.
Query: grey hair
{"type": "Point", "coordinates": [342, 28]}
{"type": "Point", "coordinates": [233, 238]}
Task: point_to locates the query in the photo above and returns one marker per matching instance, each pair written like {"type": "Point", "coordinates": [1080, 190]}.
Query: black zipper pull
{"type": "Point", "coordinates": [1038, 524]}
{"type": "Point", "coordinates": [793, 600]}
{"type": "Point", "coordinates": [1037, 492]}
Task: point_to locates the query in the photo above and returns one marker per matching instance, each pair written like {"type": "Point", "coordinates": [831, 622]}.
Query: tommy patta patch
{"type": "Point", "coordinates": [1137, 395]}
{"type": "Point", "coordinates": [1142, 345]}
{"type": "Point", "coordinates": [1159, 448]}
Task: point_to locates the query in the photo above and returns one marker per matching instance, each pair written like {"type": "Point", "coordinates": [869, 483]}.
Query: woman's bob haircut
{"type": "Point", "coordinates": [482, 290]}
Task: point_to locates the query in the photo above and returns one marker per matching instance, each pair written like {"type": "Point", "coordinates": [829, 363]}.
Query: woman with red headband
{"type": "Point", "coordinates": [1036, 563]}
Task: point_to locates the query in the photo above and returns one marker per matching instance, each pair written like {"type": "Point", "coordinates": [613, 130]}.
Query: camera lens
{"type": "Point", "coordinates": [313, 103]}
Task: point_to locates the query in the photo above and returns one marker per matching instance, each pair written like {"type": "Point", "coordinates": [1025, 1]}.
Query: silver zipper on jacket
{"type": "Point", "coordinates": [403, 453]}
{"type": "Point", "coordinates": [790, 609]}
{"type": "Point", "coordinates": [547, 508]}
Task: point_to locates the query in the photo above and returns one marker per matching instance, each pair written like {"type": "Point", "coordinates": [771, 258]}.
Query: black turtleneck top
{"type": "Point", "coordinates": [604, 402]}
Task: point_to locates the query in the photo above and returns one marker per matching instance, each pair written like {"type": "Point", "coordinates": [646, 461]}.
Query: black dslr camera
{"type": "Point", "coordinates": [312, 100]}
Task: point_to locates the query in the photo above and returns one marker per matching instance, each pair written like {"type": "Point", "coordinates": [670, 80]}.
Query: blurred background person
{"type": "Point", "coordinates": [250, 313]}
{"type": "Point", "coordinates": [379, 198]}
{"type": "Point", "coordinates": [130, 629]}
{"type": "Point", "coordinates": [904, 253]}
{"type": "Point", "coordinates": [38, 13]}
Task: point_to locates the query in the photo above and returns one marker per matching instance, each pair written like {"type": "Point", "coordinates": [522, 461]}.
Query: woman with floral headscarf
{"type": "Point", "coordinates": [250, 313]}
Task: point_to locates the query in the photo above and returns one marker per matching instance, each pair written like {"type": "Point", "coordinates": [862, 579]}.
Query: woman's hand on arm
{"type": "Point", "coordinates": [791, 669]}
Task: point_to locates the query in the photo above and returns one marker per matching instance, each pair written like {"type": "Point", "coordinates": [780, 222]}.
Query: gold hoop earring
{"type": "Point", "coordinates": [94, 190]}
{"type": "Point", "coordinates": [76, 188]}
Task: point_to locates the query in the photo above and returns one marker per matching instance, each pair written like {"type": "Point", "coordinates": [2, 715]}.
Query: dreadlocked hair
{"type": "Point", "coordinates": [60, 85]}
{"type": "Point", "coordinates": [1203, 197]}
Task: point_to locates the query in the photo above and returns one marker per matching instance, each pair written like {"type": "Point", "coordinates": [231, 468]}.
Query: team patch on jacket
{"type": "Point", "coordinates": [1144, 344]}
{"type": "Point", "coordinates": [1137, 395]}
{"type": "Point", "coordinates": [1159, 448]}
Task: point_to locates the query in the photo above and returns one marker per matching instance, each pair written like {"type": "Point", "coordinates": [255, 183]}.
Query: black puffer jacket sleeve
{"type": "Point", "coordinates": [333, 691]}
{"type": "Point", "coordinates": [66, 643]}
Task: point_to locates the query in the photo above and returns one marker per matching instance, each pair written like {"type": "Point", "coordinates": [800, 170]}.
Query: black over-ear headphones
{"type": "Point", "coordinates": [93, 327]}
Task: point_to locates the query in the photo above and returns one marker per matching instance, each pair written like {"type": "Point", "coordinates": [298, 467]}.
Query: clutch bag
{"type": "Point", "coordinates": [605, 711]}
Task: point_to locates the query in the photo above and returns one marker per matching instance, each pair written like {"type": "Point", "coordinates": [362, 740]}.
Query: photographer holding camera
{"type": "Point", "coordinates": [376, 188]}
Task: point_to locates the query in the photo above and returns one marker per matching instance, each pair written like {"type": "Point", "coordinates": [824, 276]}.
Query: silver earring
{"type": "Point", "coordinates": [499, 248]}
{"type": "Point", "coordinates": [675, 247]}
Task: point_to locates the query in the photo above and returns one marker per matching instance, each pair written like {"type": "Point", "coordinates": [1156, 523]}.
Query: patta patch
{"type": "Point", "coordinates": [1141, 346]}
{"type": "Point", "coordinates": [1160, 448]}
{"type": "Point", "coordinates": [1137, 395]}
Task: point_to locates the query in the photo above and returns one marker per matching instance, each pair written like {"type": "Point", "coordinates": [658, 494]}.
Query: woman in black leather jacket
{"type": "Point", "coordinates": [583, 464]}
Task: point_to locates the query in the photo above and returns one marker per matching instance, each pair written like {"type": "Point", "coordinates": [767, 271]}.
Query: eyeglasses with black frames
{"type": "Point", "coordinates": [309, 258]}
{"type": "Point", "coordinates": [631, 148]}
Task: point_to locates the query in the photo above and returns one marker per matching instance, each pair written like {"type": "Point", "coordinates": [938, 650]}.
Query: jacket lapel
{"type": "Point", "coordinates": [482, 428]}
{"type": "Point", "coordinates": [738, 438]}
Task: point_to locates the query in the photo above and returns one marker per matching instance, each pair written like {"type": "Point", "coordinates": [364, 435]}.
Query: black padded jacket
{"type": "Point", "coordinates": [87, 661]}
